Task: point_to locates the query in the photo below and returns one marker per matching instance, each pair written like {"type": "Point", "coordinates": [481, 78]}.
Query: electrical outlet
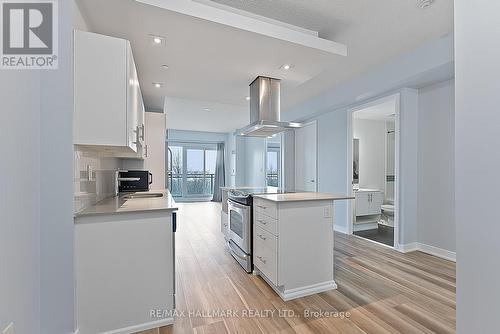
{"type": "Point", "coordinates": [9, 329]}
{"type": "Point", "coordinates": [327, 212]}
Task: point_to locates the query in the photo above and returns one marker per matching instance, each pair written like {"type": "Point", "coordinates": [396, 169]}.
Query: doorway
{"type": "Point", "coordinates": [373, 150]}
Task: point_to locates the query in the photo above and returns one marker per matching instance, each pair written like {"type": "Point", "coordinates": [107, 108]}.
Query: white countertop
{"type": "Point", "coordinates": [302, 196]}
{"type": "Point", "coordinates": [120, 204]}
{"type": "Point", "coordinates": [364, 190]}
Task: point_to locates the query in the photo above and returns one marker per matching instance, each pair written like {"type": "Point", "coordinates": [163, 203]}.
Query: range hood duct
{"type": "Point", "coordinates": [265, 110]}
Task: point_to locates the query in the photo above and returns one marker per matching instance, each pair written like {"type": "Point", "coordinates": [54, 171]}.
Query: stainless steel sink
{"type": "Point", "coordinates": [147, 195]}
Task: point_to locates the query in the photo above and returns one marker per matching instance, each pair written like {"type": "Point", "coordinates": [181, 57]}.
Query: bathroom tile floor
{"type": "Point", "coordinates": [382, 234]}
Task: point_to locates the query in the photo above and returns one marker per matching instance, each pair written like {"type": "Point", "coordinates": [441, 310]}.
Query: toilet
{"type": "Point", "coordinates": [387, 216]}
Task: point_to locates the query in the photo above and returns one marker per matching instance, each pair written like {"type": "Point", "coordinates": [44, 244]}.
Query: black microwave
{"type": "Point", "coordinates": [141, 182]}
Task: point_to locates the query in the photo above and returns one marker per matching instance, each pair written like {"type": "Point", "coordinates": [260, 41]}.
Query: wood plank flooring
{"type": "Point", "coordinates": [379, 290]}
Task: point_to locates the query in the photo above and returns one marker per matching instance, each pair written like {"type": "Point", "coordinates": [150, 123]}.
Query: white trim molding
{"type": "Point", "coordinates": [340, 229]}
{"type": "Point", "coordinates": [307, 290]}
{"type": "Point", "coordinates": [428, 249]}
{"type": "Point", "coordinates": [439, 252]}
{"type": "Point", "coordinates": [253, 23]}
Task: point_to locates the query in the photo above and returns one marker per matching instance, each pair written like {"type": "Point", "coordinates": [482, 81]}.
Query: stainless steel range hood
{"type": "Point", "coordinates": [265, 110]}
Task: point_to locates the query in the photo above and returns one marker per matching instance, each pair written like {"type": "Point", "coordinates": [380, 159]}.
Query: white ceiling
{"type": "Point", "coordinates": [184, 114]}
{"type": "Point", "coordinates": [210, 62]}
{"type": "Point", "coordinates": [379, 110]}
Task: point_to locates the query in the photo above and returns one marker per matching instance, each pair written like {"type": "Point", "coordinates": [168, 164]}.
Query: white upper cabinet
{"type": "Point", "coordinates": [109, 110]}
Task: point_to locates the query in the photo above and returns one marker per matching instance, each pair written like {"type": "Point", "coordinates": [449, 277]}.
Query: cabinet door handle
{"type": "Point", "coordinates": [260, 258]}
{"type": "Point", "coordinates": [262, 207]}
{"type": "Point", "coordinates": [261, 236]}
{"type": "Point", "coordinates": [146, 153]}
{"type": "Point", "coordinates": [143, 132]}
{"type": "Point", "coordinates": [261, 221]}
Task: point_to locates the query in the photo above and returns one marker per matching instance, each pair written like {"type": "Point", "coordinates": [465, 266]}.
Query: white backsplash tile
{"type": "Point", "coordinates": [102, 183]}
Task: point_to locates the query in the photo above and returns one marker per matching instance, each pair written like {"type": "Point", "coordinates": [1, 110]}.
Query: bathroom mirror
{"type": "Point", "coordinates": [355, 161]}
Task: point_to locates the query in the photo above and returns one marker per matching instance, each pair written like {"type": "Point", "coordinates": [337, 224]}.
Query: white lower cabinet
{"type": "Point", "coordinates": [368, 202]}
{"type": "Point", "coordinates": [124, 269]}
{"type": "Point", "coordinates": [293, 246]}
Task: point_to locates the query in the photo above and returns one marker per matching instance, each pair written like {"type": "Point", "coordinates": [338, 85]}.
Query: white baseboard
{"type": "Point", "coordinates": [340, 229]}
{"type": "Point", "coordinates": [439, 252]}
{"type": "Point", "coordinates": [406, 248]}
{"type": "Point", "coordinates": [308, 290]}
{"type": "Point", "coordinates": [142, 327]}
{"type": "Point", "coordinates": [303, 291]}
{"type": "Point", "coordinates": [432, 250]}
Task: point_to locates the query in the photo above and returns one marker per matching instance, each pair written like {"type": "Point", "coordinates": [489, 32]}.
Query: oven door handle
{"type": "Point", "coordinates": [235, 252]}
{"type": "Point", "coordinates": [238, 205]}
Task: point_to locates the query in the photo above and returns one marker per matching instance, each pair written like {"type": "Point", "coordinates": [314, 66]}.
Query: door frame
{"type": "Point", "coordinates": [350, 136]}
{"type": "Point", "coordinates": [315, 123]}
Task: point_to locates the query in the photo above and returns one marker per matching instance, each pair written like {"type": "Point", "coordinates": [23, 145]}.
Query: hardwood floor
{"type": "Point", "coordinates": [379, 290]}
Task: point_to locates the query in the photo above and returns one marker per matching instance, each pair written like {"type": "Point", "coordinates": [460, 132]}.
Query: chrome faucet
{"type": "Point", "coordinates": [118, 179]}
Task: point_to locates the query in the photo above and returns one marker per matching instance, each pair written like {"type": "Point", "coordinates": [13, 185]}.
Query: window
{"type": "Point", "coordinates": [191, 170]}
{"type": "Point", "coordinates": [273, 175]}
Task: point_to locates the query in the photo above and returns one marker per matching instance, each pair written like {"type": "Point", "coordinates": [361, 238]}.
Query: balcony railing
{"type": "Point", "coordinates": [272, 179]}
{"type": "Point", "coordinates": [197, 184]}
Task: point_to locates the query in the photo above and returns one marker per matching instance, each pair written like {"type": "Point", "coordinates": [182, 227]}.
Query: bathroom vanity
{"type": "Point", "coordinates": [368, 207]}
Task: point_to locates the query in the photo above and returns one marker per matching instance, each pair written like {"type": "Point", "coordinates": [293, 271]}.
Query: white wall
{"type": "Point", "coordinates": [56, 191]}
{"type": "Point", "coordinates": [255, 161]}
{"type": "Point", "coordinates": [231, 158]}
{"type": "Point", "coordinates": [477, 162]}
{"type": "Point", "coordinates": [408, 166]}
{"type": "Point", "coordinates": [20, 201]}
{"type": "Point", "coordinates": [436, 166]}
{"type": "Point", "coordinates": [372, 147]}
{"type": "Point", "coordinates": [332, 161]}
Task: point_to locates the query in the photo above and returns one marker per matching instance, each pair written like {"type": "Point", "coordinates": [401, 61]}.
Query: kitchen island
{"type": "Point", "coordinates": [124, 263]}
{"type": "Point", "coordinates": [293, 242]}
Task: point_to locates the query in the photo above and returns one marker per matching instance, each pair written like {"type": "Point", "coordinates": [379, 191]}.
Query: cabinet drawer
{"type": "Point", "coordinates": [268, 208]}
{"type": "Point", "coordinates": [267, 223]}
{"type": "Point", "coordinates": [264, 239]}
{"type": "Point", "coordinates": [266, 261]}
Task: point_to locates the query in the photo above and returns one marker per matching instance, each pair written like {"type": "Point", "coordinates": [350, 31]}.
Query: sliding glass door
{"type": "Point", "coordinates": [191, 170]}
{"type": "Point", "coordinates": [273, 174]}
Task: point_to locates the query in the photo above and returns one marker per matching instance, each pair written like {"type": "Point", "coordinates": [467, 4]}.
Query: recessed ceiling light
{"type": "Point", "coordinates": [157, 40]}
{"type": "Point", "coordinates": [165, 66]}
{"type": "Point", "coordinates": [207, 109]}
{"type": "Point", "coordinates": [247, 98]}
{"type": "Point", "coordinates": [286, 67]}
{"type": "Point", "coordinates": [157, 84]}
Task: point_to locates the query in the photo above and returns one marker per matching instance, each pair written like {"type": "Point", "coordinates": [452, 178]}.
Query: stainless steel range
{"type": "Point", "coordinates": [240, 225]}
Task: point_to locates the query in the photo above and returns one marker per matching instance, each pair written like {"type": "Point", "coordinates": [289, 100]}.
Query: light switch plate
{"type": "Point", "coordinates": [9, 329]}
{"type": "Point", "coordinates": [90, 173]}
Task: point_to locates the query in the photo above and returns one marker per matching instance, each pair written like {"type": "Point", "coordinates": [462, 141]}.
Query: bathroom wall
{"type": "Point", "coordinates": [372, 160]}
